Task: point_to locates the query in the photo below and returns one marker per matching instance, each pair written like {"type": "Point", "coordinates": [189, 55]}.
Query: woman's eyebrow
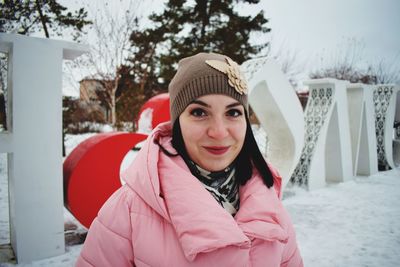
{"type": "Point", "coordinates": [204, 104]}
{"type": "Point", "coordinates": [233, 105]}
{"type": "Point", "coordinates": [199, 102]}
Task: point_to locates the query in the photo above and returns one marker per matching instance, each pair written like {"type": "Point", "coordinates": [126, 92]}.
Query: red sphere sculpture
{"type": "Point", "coordinates": [91, 172]}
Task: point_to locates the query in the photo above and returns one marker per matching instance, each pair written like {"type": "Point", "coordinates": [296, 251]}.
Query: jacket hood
{"type": "Point", "coordinates": [142, 175]}
{"type": "Point", "coordinates": [166, 184]}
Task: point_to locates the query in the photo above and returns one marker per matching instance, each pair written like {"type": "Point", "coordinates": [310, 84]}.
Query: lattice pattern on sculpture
{"type": "Point", "coordinates": [318, 105]}
{"type": "Point", "coordinates": [381, 98]}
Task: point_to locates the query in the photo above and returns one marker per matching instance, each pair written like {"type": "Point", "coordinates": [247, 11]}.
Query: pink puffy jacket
{"type": "Point", "coordinates": [163, 216]}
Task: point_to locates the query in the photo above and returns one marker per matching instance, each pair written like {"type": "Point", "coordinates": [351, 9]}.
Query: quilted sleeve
{"type": "Point", "coordinates": [291, 256]}
{"type": "Point", "coordinates": [108, 242]}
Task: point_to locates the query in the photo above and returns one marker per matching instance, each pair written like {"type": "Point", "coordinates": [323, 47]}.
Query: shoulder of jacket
{"type": "Point", "coordinates": [115, 212]}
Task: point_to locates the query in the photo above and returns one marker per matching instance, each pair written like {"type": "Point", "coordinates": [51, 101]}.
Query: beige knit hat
{"type": "Point", "coordinates": [203, 74]}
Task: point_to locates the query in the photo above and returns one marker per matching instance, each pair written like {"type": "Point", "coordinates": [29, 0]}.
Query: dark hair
{"type": "Point", "coordinates": [249, 155]}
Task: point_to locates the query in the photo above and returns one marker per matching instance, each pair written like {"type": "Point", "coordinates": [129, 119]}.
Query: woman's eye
{"type": "Point", "coordinates": [234, 113]}
{"type": "Point", "coordinates": [198, 112]}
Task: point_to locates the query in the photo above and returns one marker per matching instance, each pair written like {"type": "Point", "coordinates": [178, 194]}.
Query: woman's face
{"type": "Point", "coordinates": [213, 129]}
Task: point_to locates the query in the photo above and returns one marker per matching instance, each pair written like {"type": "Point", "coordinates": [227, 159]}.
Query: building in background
{"type": "Point", "coordinates": [93, 96]}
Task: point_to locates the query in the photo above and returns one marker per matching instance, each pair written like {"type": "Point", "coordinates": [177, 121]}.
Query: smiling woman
{"type": "Point", "coordinates": [213, 129]}
{"type": "Point", "coordinates": [199, 192]}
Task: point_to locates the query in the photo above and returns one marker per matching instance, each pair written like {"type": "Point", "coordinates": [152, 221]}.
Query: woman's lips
{"type": "Point", "coordinates": [217, 150]}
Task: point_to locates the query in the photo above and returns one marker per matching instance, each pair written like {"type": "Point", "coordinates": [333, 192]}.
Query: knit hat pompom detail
{"type": "Point", "coordinates": [204, 74]}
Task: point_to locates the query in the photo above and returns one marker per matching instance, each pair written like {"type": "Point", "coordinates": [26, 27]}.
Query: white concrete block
{"type": "Point", "coordinates": [34, 144]}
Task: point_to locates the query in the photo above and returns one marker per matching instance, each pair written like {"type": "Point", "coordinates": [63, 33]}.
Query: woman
{"type": "Point", "coordinates": [199, 192]}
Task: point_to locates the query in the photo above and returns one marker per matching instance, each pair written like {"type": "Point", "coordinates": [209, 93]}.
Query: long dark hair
{"type": "Point", "coordinates": [249, 155]}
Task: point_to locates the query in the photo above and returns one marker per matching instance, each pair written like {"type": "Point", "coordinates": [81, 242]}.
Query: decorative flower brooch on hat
{"type": "Point", "coordinates": [232, 70]}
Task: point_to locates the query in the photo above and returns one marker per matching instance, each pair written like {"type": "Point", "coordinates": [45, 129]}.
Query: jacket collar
{"type": "Point", "coordinates": [200, 223]}
{"type": "Point", "coordinates": [261, 212]}
{"type": "Point", "coordinates": [142, 175]}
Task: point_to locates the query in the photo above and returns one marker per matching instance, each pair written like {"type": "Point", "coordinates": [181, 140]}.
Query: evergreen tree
{"type": "Point", "coordinates": [189, 27]}
{"type": "Point", "coordinates": [130, 98]}
{"type": "Point", "coordinates": [29, 16]}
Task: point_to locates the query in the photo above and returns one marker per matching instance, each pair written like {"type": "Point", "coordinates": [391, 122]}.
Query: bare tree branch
{"type": "Point", "coordinates": [110, 46]}
{"type": "Point", "coordinates": [347, 65]}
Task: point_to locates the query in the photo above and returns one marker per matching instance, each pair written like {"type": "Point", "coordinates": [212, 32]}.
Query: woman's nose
{"type": "Point", "coordinates": [217, 129]}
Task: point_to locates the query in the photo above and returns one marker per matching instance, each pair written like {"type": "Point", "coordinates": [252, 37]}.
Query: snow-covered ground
{"type": "Point", "coordinates": [355, 223]}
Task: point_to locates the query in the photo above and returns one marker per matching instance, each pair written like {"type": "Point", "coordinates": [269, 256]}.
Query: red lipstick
{"type": "Point", "coordinates": [217, 150]}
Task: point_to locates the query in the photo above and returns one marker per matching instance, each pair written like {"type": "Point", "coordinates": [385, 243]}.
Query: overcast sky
{"type": "Point", "coordinates": [319, 28]}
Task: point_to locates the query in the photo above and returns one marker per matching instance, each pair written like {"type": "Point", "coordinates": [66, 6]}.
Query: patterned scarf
{"type": "Point", "coordinates": [221, 185]}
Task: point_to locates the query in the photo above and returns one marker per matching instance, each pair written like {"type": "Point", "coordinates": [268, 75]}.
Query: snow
{"type": "Point", "coordinates": [70, 92]}
{"type": "Point", "coordinates": [145, 121]}
{"type": "Point", "coordinates": [354, 223]}
{"type": "Point", "coordinates": [71, 141]}
{"type": "Point", "coordinates": [349, 224]}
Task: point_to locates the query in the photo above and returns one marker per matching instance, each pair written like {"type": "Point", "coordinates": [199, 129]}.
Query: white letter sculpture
{"type": "Point", "coordinates": [362, 129]}
{"type": "Point", "coordinates": [384, 97]}
{"type": "Point", "coordinates": [34, 143]}
{"type": "Point", "coordinates": [326, 155]}
{"type": "Point", "coordinates": [279, 111]}
{"type": "Point", "coordinates": [339, 126]}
